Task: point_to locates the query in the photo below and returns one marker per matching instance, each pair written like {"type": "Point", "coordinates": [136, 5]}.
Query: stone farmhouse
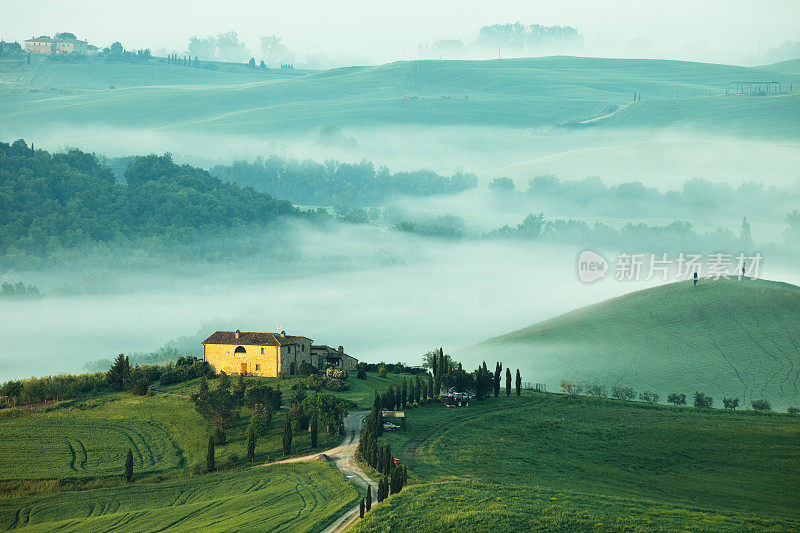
{"type": "Point", "coordinates": [46, 45]}
{"type": "Point", "coordinates": [270, 354]}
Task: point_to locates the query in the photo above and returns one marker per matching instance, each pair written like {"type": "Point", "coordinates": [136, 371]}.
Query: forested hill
{"type": "Point", "coordinates": [63, 201]}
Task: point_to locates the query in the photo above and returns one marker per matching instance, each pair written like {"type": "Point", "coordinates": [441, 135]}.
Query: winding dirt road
{"type": "Point", "coordinates": [343, 457]}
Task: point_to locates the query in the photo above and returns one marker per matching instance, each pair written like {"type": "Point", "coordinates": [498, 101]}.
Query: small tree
{"type": "Point", "coordinates": [129, 466]}
{"type": "Point", "coordinates": [314, 428]}
{"type": "Point", "coordinates": [252, 62]}
{"type": "Point", "coordinates": [369, 498]}
{"type": "Point", "coordinates": [702, 400]}
{"type": "Point", "coordinates": [508, 382]}
{"type": "Point", "coordinates": [251, 444]}
{"type": "Point", "coordinates": [287, 437]}
{"type": "Point", "coordinates": [361, 508]}
{"type": "Point", "coordinates": [210, 459]}
{"type": "Point", "coordinates": [623, 393]}
{"type": "Point", "coordinates": [730, 403]}
{"type": "Point", "coordinates": [571, 387]}
{"type": "Point", "coordinates": [518, 383]}
{"type": "Point", "coordinates": [677, 399]}
{"type": "Point", "coordinates": [761, 405]}
{"type": "Point", "coordinates": [648, 397]}
{"type": "Point", "coordinates": [793, 410]}
{"type": "Point", "coordinates": [596, 390]}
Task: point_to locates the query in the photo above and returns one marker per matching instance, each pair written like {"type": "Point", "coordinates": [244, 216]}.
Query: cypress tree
{"type": "Point", "coordinates": [518, 382]}
{"type": "Point", "coordinates": [210, 461]}
{"type": "Point", "coordinates": [369, 497]}
{"type": "Point", "coordinates": [430, 386]}
{"type": "Point", "coordinates": [314, 429]}
{"type": "Point", "coordinates": [361, 508]}
{"type": "Point", "coordinates": [418, 390]}
{"type": "Point", "coordinates": [508, 382]}
{"type": "Point", "coordinates": [404, 394]}
{"type": "Point", "coordinates": [129, 466]}
{"type": "Point", "coordinates": [394, 480]}
{"type": "Point", "coordinates": [497, 369]}
{"type": "Point", "coordinates": [287, 436]}
{"type": "Point", "coordinates": [251, 444]}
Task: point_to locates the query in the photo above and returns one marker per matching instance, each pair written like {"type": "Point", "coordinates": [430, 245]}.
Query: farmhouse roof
{"type": "Point", "coordinates": [40, 39]}
{"type": "Point", "coordinates": [254, 338]}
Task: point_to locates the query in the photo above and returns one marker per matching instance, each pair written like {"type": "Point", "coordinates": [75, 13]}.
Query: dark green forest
{"type": "Point", "coordinates": [50, 203]}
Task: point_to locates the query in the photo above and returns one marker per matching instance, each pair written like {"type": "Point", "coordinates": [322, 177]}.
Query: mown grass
{"type": "Point", "coordinates": [515, 93]}
{"type": "Point", "coordinates": [727, 338]}
{"type": "Point", "coordinates": [468, 505]}
{"type": "Point", "coordinates": [288, 497]}
{"type": "Point", "coordinates": [619, 464]}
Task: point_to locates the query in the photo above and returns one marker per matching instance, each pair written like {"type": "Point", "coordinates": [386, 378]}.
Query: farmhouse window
{"type": "Point", "coordinates": [258, 367]}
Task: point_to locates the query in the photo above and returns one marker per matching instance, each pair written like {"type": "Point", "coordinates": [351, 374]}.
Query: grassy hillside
{"type": "Point", "coordinates": [289, 497]}
{"type": "Point", "coordinates": [567, 463]}
{"type": "Point", "coordinates": [513, 92]}
{"type": "Point", "coordinates": [727, 338]}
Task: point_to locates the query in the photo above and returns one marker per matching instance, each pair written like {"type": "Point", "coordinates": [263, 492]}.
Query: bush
{"type": "Point", "coordinates": [761, 405]}
{"type": "Point", "coordinates": [335, 373]}
{"type": "Point", "coordinates": [382, 371]}
{"type": "Point", "coordinates": [336, 385]}
{"type": "Point", "coordinates": [306, 369]}
{"type": "Point", "coordinates": [702, 400]}
{"type": "Point", "coordinates": [361, 373]}
{"type": "Point", "coordinates": [315, 382]}
{"type": "Point", "coordinates": [262, 394]}
{"type": "Point", "coordinates": [623, 393]}
{"type": "Point", "coordinates": [793, 410]}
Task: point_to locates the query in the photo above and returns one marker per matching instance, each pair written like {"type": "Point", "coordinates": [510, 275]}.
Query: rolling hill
{"type": "Point", "coordinates": [727, 338]}
{"type": "Point", "coordinates": [524, 93]}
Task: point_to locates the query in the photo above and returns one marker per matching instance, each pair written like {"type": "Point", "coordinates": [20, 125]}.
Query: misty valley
{"type": "Point", "coordinates": [517, 281]}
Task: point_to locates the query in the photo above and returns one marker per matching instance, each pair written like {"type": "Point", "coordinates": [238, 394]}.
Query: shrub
{"type": "Point", "coordinates": [382, 371]}
{"type": "Point", "coordinates": [793, 410]}
{"type": "Point", "coordinates": [315, 382]}
{"type": "Point", "coordinates": [335, 373]}
{"type": "Point", "coordinates": [336, 385]}
{"type": "Point", "coordinates": [761, 405]}
{"type": "Point", "coordinates": [361, 373]}
{"type": "Point", "coordinates": [306, 369]}
{"type": "Point", "coordinates": [596, 390]}
{"type": "Point", "coordinates": [677, 399]}
{"type": "Point", "coordinates": [623, 393]}
{"type": "Point", "coordinates": [702, 400]}
{"type": "Point", "coordinates": [648, 397]}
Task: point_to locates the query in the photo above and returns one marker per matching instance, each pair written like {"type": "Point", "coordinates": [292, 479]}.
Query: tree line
{"type": "Point", "coordinates": [619, 392]}
{"type": "Point", "coordinates": [335, 183]}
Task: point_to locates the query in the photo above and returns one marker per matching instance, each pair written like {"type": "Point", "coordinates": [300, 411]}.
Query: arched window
{"type": "Point", "coordinates": [239, 349]}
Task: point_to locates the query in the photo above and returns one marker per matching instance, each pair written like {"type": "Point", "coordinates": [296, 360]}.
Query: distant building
{"type": "Point", "coordinates": [40, 45]}
{"type": "Point", "coordinates": [68, 45]}
{"type": "Point", "coordinates": [323, 355]}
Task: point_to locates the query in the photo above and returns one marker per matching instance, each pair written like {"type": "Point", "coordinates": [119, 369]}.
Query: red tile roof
{"type": "Point", "coordinates": [254, 338]}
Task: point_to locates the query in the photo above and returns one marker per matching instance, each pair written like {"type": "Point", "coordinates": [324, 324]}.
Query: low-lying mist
{"type": "Point", "coordinates": [384, 295]}
{"type": "Point", "coordinates": [664, 158]}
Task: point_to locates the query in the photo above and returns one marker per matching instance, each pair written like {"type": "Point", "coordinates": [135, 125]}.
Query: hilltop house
{"type": "Point", "coordinates": [61, 44]}
{"type": "Point", "coordinates": [268, 354]}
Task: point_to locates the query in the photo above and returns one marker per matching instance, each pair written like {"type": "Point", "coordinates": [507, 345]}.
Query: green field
{"type": "Point", "coordinates": [561, 463]}
{"type": "Point", "coordinates": [90, 438]}
{"type": "Point", "coordinates": [515, 92]}
{"type": "Point", "coordinates": [289, 497]}
{"type": "Point", "coordinates": [60, 447]}
{"type": "Point", "coordinates": [727, 338]}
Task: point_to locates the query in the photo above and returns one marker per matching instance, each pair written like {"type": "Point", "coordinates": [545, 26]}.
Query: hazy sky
{"type": "Point", "coordinates": [723, 31]}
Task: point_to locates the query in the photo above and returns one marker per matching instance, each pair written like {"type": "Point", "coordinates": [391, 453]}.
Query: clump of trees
{"type": "Point", "coordinates": [730, 403]}
{"type": "Point", "coordinates": [677, 399]}
{"type": "Point", "coordinates": [393, 475]}
{"type": "Point", "coordinates": [220, 407]}
{"type": "Point", "coordinates": [761, 405]}
{"type": "Point", "coordinates": [623, 393]}
{"type": "Point", "coordinates": [19, 291]}
{"type": "Point", "coordinates": [703, 400]}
